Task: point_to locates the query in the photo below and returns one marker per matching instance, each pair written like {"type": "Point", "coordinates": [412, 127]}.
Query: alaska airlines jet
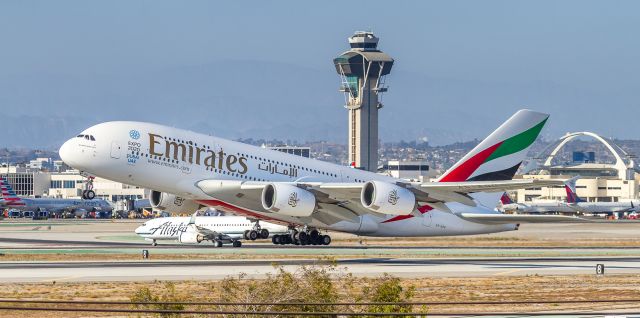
{"type": "Point", "coordinates": [217, 229]}
{"type": "Point", "coordinates": [52, 205]}
{"type": "Point", "coordinates": [580, 205]}
{"type": "Point", "coordinates": [188, 170]}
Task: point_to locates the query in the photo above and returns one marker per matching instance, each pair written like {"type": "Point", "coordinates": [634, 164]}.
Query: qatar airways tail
{"type": "Point", "coordinates": [188, 170]}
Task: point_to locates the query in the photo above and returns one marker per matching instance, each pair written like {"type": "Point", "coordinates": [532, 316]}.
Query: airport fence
{"type": "Point", "coordinates": [435, 309]}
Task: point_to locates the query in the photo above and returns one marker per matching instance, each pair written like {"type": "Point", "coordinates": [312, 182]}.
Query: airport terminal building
{"type": "Point", "coordinates": [66, 184]}
{"type": "Point", "coordinates": [614, 181]}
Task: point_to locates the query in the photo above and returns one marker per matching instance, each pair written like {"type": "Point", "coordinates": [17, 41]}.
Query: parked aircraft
{"type": "Point", "coordinates": [188, 170]}
{"type": "Point", "coordinates": [551, 206]}
{"type": "Point", "coordinates": [217, 229]}
{"type": "Point", "coordinates": [53, 205]}
{"type": "Point", "coordinates": [582, 206]}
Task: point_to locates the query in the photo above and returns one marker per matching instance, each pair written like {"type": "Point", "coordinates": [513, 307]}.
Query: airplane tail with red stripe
{"type": "Point", "coordinates": [506, 199]}
{"type": "Point", "coordinates": [570, 188]}
{"type": "Point", "coordinates": [499, 156]}
{"type": "Point", "coordinates": [9, 196]}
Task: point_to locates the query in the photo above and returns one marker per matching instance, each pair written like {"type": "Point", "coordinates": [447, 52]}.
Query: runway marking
{"type": "Point", "coordinates": [61, 279]}
{"type": "Point", "coordinates": [508, 272]}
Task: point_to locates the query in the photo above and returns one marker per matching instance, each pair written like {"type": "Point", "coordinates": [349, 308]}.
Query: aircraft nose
{"type": "Point", "coordinates": [66, 153]}
{"type": "Point", "coordinates": [139, 229]}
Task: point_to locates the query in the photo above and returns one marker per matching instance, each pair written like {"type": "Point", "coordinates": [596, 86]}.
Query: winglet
{"type": "Point", "coordinates": [192, 220]}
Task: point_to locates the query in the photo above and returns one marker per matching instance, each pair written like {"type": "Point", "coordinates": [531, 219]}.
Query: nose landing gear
{"type": "Point", "coordinates": [88, 193]}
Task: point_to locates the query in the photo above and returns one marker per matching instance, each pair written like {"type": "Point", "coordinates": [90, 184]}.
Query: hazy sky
{"type": "Point", "coordinates": [586, 52]}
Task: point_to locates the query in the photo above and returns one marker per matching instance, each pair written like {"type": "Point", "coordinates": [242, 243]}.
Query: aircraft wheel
{"type": "Point", "coordinates": [154, 243]}
{"type": "Point", "coordinates": [217, 243]}
{"type": "Point", "coordinates": [264, 234]}
{"type": "Point", "coordinates": [90, 195]}
{"type": "Point", "coordinates": [303, 236]}
{"type": "Point", "coordinates": [326, 240]}
{"type": "Point", "coordinates": [314, 234]}
{"type": "Point", "coordinates": [253, 235]}
{"type": "Point", "coordinates": [237, 243]}
{"type": "Point", "coordinates": [246, 234]}
{"type": "Point", "coordinates": [275, 239]}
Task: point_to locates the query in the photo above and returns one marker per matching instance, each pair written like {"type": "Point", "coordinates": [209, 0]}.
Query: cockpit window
{"type": "Point", "coordinates": [87, 137]}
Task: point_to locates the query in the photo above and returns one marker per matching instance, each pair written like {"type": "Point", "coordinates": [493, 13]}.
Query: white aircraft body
{"type": "Point", "coordinates": [53, 205]}
{"type": "Point", "coordinates": [541, 207]}
{"type": "Point", "coordinates": [580, 205]}
{"type": "Point", "coordinates": [188, 170]}
{"type": "Point", "coordinates": [217, 229]}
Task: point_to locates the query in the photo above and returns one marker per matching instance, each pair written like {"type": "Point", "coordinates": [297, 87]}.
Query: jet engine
{"type": "Point", "coordinates": [190, 237]}
{"type": "Point", "coordinates": [288, 199]}
{"type": "Point", "coordinates": [172, 203]}
{"type": "Point", "coordinates": [387, 198]}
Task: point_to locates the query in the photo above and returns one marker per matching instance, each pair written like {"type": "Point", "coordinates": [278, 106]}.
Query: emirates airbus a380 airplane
{"type": "Point", "coordinates": [188, 170]}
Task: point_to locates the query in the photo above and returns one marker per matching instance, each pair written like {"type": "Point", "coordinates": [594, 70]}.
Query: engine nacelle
{"type": "Point", "coordinates": [190, 237]}
{"type": "Point", "coordinates": [288, 199]}
{"type": "Point", "coordinates": [172, 203]}
{"type": "Point", "coordinates": [387, 198]}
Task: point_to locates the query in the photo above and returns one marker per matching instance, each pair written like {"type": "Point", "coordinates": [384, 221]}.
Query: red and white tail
{"type": "Point", "coordinates": [9, 197]}
{"type": "Point", "coordinates": [505, 199]}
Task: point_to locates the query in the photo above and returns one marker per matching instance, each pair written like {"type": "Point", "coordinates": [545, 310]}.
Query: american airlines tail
{"type": "Point", "coordinates": [570, 187]}
{"type": "Point", "coordinates": [8, 195]}
{"type": "Point", "coordinates": [499, 156]}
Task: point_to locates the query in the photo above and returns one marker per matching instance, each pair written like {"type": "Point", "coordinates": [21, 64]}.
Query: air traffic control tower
{"type": "Point", "coordinates": [362, 70]}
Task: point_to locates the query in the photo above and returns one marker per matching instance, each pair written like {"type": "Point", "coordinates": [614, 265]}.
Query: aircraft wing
{"type": "Point", "coordinates": [340, 201]}
{"type": "Point", "coordinates": [496, 218]}
{"type": "Point", "coordinates": [489, 186]}
{"type": "Point", "coordinates": [207, 233]}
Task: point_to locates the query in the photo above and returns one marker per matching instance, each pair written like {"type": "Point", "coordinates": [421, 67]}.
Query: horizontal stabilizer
{"type": "Point", "coordinates": [497, 218]}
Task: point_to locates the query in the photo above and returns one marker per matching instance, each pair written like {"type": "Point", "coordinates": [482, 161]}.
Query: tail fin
{"type": "Point", "coordinates": [570, 187]}
{"type": "Point", "coordinates": [8, 195]}
{"type": "Point", "coordinates": [505, 199]}
{"type": "Point", "coordinates": [499, 156]}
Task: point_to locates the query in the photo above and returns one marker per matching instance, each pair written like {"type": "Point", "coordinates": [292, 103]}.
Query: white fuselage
{"type": "Point", "coordinates": [174, 160]}
{"type": "Point", "coordinates": [605, 207]}
{"type": "Point", "coordinates": [59, 205]}
{"type": "Point", "coordinates": [539, 207]}
{"type": "Point", "coordinates": [170, 228]}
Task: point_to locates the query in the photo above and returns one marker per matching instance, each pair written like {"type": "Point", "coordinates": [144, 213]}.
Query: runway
{"type": "Point", "coordinates": [218, 269]}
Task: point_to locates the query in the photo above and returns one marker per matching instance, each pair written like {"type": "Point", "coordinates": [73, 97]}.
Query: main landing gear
{"type": "Point", "coordinates": [219, 243]}
{"type": "Point", "coordinates": [256, 233]}
{"type": "Point", "coordinates": [303, 237]}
